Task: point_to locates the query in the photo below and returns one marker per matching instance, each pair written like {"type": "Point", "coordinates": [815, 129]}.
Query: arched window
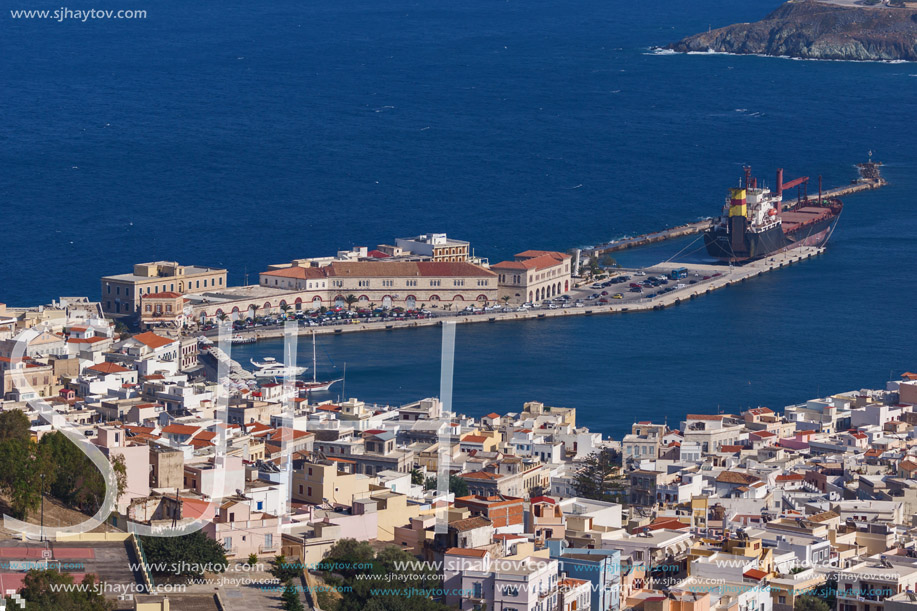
{"type": "Point", "coordinates": [410, 302]}
{"type": "Point", "coordinates": [387, 302]}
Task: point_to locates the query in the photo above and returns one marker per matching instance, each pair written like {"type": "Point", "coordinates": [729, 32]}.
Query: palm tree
{"type": "Point", "coordinates": [222, 316]}
{"type": "Point", "coordinates": [254, 309]}
{"type": "Point", "coordinates": [350, 300]}
{"type": "Point", "coordinates": [285, 307]}
{"type": "Point", "coordinates": [505, 299]}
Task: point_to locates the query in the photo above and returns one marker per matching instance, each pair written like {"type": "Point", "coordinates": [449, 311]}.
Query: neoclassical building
{"type": "Point", "coordinates": [358, 284]}
{"type": "Point", "coordinates": [534, 275]}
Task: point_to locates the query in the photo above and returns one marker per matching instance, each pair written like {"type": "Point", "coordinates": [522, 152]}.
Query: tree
{"type": "Point", "coordinates": [350, 300]}
{"type": "Point", "coordinates": [254, 308]}
{"type": "Point", "coordinates": [252, 559]}
{"type": "Point", "coordinates": [457, 485]}
{"type": "Point", "coordinates": [807, 602]}
{"type": "Point", "coordinates": [290, 596]}
{"type": "Point", "coordinates": [48, 590]}
{"type": "Point", "coordinates": [390, 580]}
{"type": "Point", "coordinates": [608, 261]}
{"type": "Point", "coordinates": [417, 477]}
{"type": "Point", "coordinates": [79, 484]}
{"type": "Point", "coordinates": [24, 473]}
{"type": "Point", "coordinates": [14, 424]}
{"type": "Point", "coordinates": [190, 554]}
{"type": "Point", "coordinates": [284, 570]}
{"type": "Point", "coordinates": [285, 307]}
{"type": "Point", "coordinates": [505, 299]}
{"type": "Point", "coordinates": [596, 478]}
{"type": "Point", "coordinates": [222, 316]}
{"type": "Point", "coordinates": [350, 555]}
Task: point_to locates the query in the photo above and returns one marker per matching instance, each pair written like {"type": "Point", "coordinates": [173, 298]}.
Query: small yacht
{"type": "Point", "coordinates": [272, 368]}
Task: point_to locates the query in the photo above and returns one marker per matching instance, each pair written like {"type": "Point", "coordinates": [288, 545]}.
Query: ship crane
{"type": "Point", "coordinates": [781, 186]}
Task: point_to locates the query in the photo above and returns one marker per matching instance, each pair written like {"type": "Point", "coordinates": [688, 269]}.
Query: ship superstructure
{"type": "Point", "coordinates": [755, 222]}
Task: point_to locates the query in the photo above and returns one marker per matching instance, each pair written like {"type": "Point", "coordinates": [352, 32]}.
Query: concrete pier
{"type": "Point", "coordinates": [727, 276]}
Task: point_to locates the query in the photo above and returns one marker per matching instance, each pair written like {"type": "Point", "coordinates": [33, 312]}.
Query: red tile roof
{"type": "Point", "coordinates": [164, 295]}
{"type": "Point", "coordinates": [535, 263]}
{"type": "Point", "coordinates": [461, 551]}
{"type": "Point", "coordinates": [107, 367]}
{"type": "Point", "coordinates": [180, 429]}
{"type": "Point", "coordinates": [405, 269]}
{"type": "Point", "coordinates": [298, 273]}
{"type": "Point", "coordinates": [152, 340]}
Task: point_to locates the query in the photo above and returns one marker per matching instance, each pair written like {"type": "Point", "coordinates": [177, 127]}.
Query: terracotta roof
{"type": "Point", "coordinates": [181, 429]}
{"type": "Point", "coordinates": [107, 367]}
{"type": "Point", "coordinates": [492, 416]}
{"type": "Point", "coordinates": [378, 254]}
{"type": "Point", "coordinates": [152, 340]}
{"type": "Point", "coordinates": [470, 553]}
{"type": "Point", "coordinates": [735, 477]}
{"type": "Point", "coordinates": [530, 254]}
{"type": "Point", "coordinates": [86, 340]}
{"type": "Point", "coordinates": [405, 269]}
{"type": "Point", "coordinates": [474, 439]}
{"type": "Point", "coordinates": [731, 449]}
{"type": "Point", "coordinates": [297, 272]}
{"type": "Point", "coordinates": [538, 263]}
{"type": "Point", "coordinates": [164, 295]}
{"type": "Point", "coordinates": [543, 499]}
{"type": "Point", "coordinates": [706, 416]}
{"type": "Point", "coordinates": [791, 477]}
{"type": "Point", "coordinates": [754, 574]}
{"type": "Point", "coordinates": [480, 475]}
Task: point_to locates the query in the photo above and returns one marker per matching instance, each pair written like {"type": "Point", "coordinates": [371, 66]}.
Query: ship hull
{"type": "Point", "coordinates": [730, 247]}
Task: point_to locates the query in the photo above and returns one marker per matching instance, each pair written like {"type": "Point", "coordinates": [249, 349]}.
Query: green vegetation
{"type": "Point", "coordinates": [283, 569]}
{"type": "Point", "coordinates": [457, 485]}
{"type": "Point", "coordinates": [252, 559]}
{"type": "Point", "coordinates": [38, 596]}
{"type": "Point", "coordinates": [807, 602]}
{"type": "Point", "coordinates": [384, 586]}
{"type": "Point", "coordinates": [290, 596]}
{"type": "Point", "coordinates": [190, 554]}
{"type": "Point", "coordinates": [417, 477]}
{"type": "Point", "coordinates": [55, 465]}
{"type": "Point", "coordinates": [599, 477]}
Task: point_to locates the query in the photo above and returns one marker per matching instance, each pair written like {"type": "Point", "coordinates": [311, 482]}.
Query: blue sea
{"type": "Point", "coordinates": [240, 134]}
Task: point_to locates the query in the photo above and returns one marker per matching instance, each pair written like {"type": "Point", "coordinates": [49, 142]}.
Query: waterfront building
{"type": "Point", "coordinates": [436, 246]}
{"type": "Point", "coordinates": [162, 309]}
{"type": "Point", "coordinates": [385, 284]}
{"type": "Point", "coordinates": [534, 275]}
{"type": "Point", "coordinates": [121, 293]}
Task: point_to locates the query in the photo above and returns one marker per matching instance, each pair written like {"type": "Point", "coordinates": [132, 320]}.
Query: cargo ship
{"type": "Point", "coordinates": [756, 223]}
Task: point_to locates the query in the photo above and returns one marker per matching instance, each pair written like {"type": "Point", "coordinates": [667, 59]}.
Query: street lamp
{"type": "Point", "coordinates": [42, 491]}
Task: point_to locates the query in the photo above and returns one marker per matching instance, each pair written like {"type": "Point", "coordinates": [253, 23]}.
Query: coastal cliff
{"type": "Point", "coordinates": [817, 30]}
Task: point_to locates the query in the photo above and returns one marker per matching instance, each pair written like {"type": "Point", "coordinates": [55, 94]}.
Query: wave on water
{"type": "Point", "coordinates": [661, 51]}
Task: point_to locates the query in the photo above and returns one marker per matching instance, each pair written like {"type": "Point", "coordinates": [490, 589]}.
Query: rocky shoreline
{"type": "Point", "coordinates": [809, 29]}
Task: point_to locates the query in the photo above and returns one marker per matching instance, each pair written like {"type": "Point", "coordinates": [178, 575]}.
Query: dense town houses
{"type": "Point", "coordinates": [518, 508]}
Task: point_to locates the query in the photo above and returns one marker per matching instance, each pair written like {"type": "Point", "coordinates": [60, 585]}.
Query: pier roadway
{"type": "Point", "coordinates": [632, 302]}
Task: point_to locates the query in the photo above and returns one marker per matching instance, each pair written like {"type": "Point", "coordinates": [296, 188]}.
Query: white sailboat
{"type": "Point", "coordinates": [315, 385]}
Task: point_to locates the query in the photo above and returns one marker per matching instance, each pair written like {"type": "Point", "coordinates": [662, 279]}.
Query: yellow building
{"type": "Point", "coordinates": [121, 293]}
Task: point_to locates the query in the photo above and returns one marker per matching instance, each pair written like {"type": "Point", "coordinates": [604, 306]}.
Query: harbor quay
{"type": "Point", "coordinates": [709, 278]}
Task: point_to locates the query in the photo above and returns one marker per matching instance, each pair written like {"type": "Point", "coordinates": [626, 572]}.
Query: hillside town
{"type": "Point", "coordinates": [760, 510]}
